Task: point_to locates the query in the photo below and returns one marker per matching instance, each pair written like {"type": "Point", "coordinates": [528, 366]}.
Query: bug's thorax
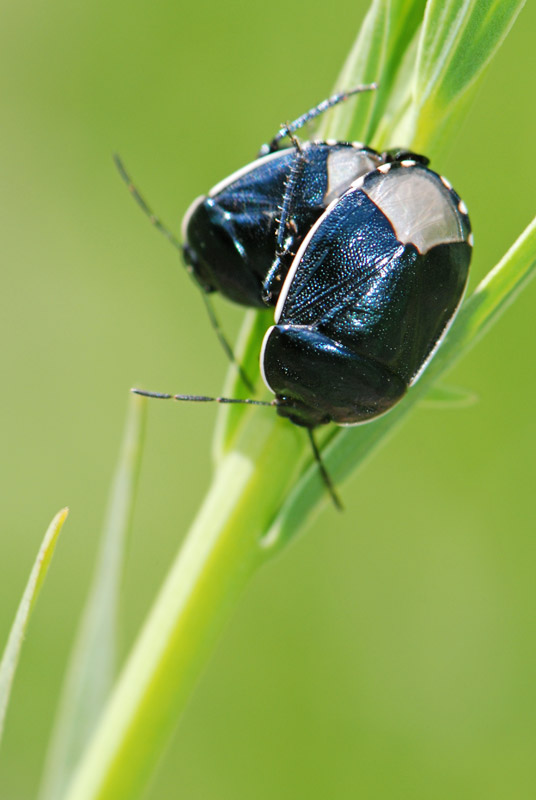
{"type": "Point", "coordinates": [248, 228]}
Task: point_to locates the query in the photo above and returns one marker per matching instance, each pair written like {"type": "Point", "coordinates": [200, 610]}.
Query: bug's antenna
{"type": "Point", "coordinates": [324, 473]}
{"type": "Point", "coordinates": [200, 398]}
{"type": "Point", "coordinates": [153, 219]}
{"type": "Point", "coordinates": [321, 108]}
{"type": "Point", "coordinates": [159, 225]}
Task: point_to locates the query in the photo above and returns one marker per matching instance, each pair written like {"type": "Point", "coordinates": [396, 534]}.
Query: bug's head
{"type": "Point", "coordinates": [214, 253]}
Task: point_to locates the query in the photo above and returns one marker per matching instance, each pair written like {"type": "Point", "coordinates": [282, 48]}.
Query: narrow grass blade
{"type": "Point", "coordinates": [387, 31]}
{"type": "Point", "coordinates": [202, 588]}
{"type": "Point", "coordinates": [92, 667]}
{"type": "Point", "coordinates": [229, 420]}
{"type": "Point", "coordinates": [443, 396]}
{"type": "Point", "coordinates": [10, 658]}
{"type": "Point", "coordinates": [365, 64]}
{"type": "Point", "coordinates": [457, 43]}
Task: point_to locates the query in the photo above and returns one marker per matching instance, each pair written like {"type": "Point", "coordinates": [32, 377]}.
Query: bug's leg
{"type": "Point", "coordinates": [322, 107]}
{"type": "Point", "coordinates": [224, 343]}
{"type": "Point", "coordinates": [328, 483]}
{"type": "Point", "coordinates": [285, 237]}
{"type": "Point", "coordinates": [293, 179]}
{"type": "Point", "coordinates": [159, 225]}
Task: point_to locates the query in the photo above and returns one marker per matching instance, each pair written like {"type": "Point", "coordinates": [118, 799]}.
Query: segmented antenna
{"type": "Point", "coordinates": [201, 398]}
{"type": "Point", "coordinates": [153, 219]}
{"type": "Point", "coordinates": [321, 108]}
{"type": "Point", "coordinates": [172, 239]}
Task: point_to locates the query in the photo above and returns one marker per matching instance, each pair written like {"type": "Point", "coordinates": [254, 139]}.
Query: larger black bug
{"type": "Point", "coordinates": [369, 295]}
{"type": "Point", "coordinates": [364, 254]}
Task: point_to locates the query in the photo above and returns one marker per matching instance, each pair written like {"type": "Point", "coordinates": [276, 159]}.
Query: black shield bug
{"type": "Point", "coordinates": [365, 256]}
{"type": "Point", "coordinates": [241, 238]}
{"type": "Point", "coordinates": [370, 293]}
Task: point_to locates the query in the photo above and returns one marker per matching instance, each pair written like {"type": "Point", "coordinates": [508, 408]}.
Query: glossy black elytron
{"type": "Point", "coordinates": [241, 238]}
{"type": "Point", "coordinates": [369, 295]}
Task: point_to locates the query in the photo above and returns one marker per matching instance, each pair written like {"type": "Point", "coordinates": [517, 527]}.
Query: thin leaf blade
{"type": "Point", "coordinates": [457, 43]}
{"type": "Point", "coordinates": [365, 63]}
{"type": "Point", "coordinates": [443, 396]}
{"type": "Point", "coordinates": [10, 657]}
{"type": "Point", "coordinates": [377, 55]}
{"type": "Point", "coordinates": [92, 665]}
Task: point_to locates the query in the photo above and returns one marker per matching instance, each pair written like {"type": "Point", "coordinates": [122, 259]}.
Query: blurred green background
{"type": "Point", "coordinates": [391, 652]}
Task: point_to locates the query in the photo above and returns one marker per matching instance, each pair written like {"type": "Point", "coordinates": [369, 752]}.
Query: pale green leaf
{"type": "Point", "coordinates": [229, 420]}
{"type": "Point", "coordinates": [365, 64]}
{"type": "Point", "coordinates": [93, 662]}
{"type": "Point", "coordinates": [11, 654]}
{"type": "Point", "coordinates": [458, 41]}
{"type": "Point", "coordinates": [386, 34]}
{"type": "Point", "coordinates": [442, 396]}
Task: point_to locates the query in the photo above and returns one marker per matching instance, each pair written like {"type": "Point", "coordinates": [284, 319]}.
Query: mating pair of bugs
{"type": "Point", "coordinates": [363, 254]}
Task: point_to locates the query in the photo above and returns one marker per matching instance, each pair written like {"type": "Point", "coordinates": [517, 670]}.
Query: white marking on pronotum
{"type": "Point", "coordinates": [408, 163]}
{"type": "Point", "coordinates": [358, 183]}
{"type": "Point", "coordinates": [417, 207]}
{"type": "Point", "coordinates": [248, 168]}
{"type": "Point", "coordinates": [343, 166]}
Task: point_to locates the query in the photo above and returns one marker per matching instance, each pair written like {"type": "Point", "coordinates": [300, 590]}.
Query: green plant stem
{"type": "Point", "coordinates": [93, 663]}
{"type": "Point", "coordinates": [216, 561]}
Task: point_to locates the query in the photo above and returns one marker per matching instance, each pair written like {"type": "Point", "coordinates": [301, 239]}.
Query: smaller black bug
{"type": "Point", "coordinates": [241, 238]}
{"type": "Point", "coordinates": [365, 256]}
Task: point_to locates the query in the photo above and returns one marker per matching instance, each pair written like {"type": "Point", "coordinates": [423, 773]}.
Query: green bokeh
{"type": "Point", "coordinates": [391, 652]}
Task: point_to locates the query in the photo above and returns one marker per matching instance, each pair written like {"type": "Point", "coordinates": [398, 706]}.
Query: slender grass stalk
{"type": "Point", "coordinates": [266, 486]}
{"type": "Point", "coordinates": [10, 657]}
{"type": "Point", "coordinates": [93, 663]}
